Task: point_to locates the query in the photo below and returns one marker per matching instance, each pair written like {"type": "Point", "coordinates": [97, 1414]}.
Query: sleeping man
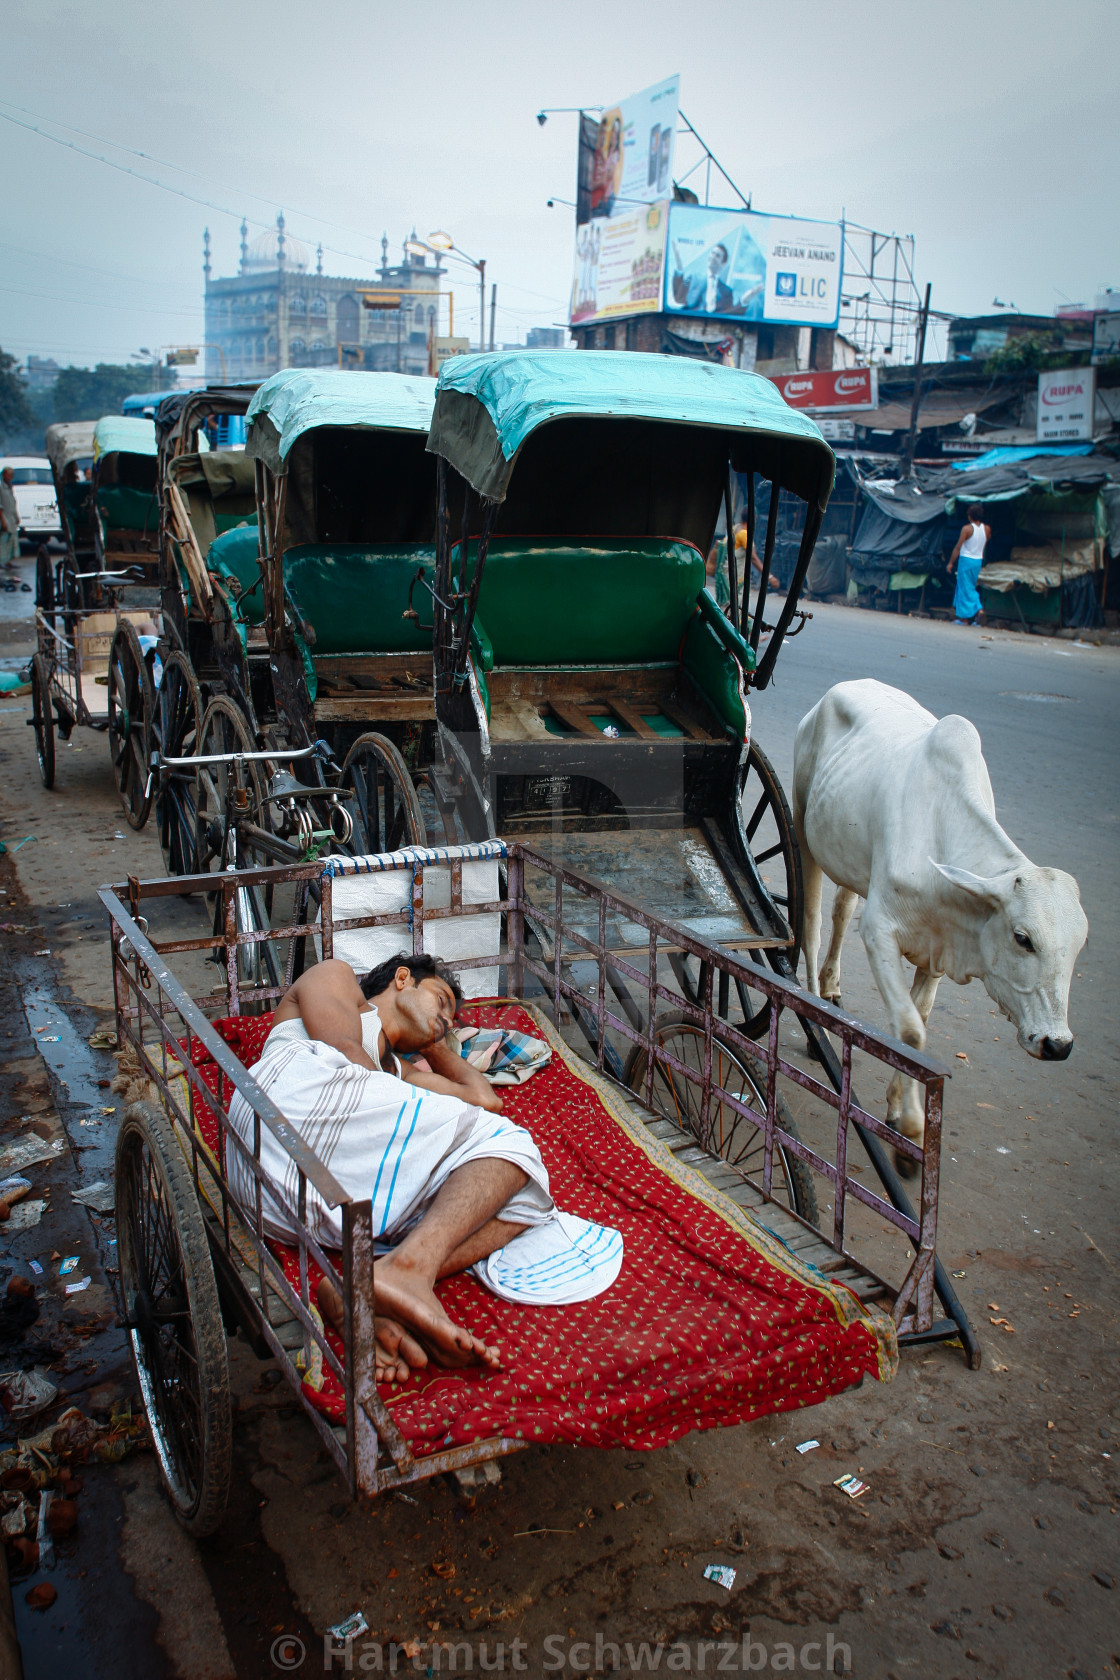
{"type": "Point", "coordinates": [453, 1184]}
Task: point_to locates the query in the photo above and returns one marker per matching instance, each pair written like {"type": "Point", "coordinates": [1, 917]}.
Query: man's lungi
{"type": "Point", "coordinates": [396, 1144]}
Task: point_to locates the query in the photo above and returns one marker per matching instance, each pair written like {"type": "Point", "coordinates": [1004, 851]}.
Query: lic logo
{"type": "Point", "coordinates": [786, 285]}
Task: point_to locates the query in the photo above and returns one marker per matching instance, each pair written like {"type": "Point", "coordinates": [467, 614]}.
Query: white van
{"type": "Point", "coordinates": [35, 498]}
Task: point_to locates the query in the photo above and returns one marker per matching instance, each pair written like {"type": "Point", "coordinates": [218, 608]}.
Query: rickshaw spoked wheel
{"type": "Point", "coordinates": [44, 581]}
{"type": "Point", "coordinates": [43, 717]}
{"type": "Point", "coordinates": [767, 828]}
{"type": "Point", "coordinates": [726, 1133]}
{"type": "Point", "coordinates": [381, 797]}
{"type": "Point", "coordinates": [175, 733]}
{"type": "Point", "coordinates": [131, 707]}
{"type": "Point", "coordinates": [173, 1317]}
{"type": "Point", "coordinates": [225, 730]}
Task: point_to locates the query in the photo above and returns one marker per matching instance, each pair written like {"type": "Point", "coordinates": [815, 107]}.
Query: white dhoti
{"type": "Point", "coordinates": [396, 1144]}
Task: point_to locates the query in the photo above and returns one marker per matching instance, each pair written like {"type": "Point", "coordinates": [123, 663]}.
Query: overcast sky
{"type": "Point", "coordinates": [986, 128]}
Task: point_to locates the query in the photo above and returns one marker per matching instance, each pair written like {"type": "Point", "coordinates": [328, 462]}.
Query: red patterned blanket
{"type": "Point", "coordinates": [712, 1321]}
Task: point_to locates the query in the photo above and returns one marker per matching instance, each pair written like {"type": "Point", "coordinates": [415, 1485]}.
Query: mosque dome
{"type": "Point", "coordinates": [261, 254]}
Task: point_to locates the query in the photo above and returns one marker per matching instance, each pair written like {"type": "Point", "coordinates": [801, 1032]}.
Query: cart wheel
{"type": "Point", "coordinates": [175, 732]}
{"type": "Point", "coordinates": [727, 1134]}
{"type": "Point", "coordinates": [43, 717]}
{"type": "Point", "coordinates": [131, 707]}
{"type": "Point", "coordinates": [381, 798]}
{"type": "Point", "coordinates": [768, 830]}
{"type": "Point", "coordinates": [173, 1317]}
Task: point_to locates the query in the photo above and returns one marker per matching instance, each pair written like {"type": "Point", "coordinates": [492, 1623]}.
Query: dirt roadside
{"type": "Point", "coordinates": [984, 1546]}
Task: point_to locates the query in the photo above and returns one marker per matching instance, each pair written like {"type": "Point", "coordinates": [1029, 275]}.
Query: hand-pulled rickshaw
{"type": "Point", "coordinates": [303, 683]}
{"type": "Point", "coordinates": [95, 661]}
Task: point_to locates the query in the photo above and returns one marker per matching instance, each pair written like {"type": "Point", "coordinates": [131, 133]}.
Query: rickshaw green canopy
{"type": "Point", "coordinates": [487, 406]}
{"type": "Point", "coordinates": [124, 434]}
{"type": "Point", "coordinates": [296, 400]}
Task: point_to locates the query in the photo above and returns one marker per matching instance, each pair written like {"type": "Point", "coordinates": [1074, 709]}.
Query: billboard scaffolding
{"type": "Point", "coordinates": [880, 304]}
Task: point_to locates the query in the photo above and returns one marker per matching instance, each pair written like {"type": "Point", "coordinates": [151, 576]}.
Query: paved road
{"type": "Point", "coordinates": [993, 1506]}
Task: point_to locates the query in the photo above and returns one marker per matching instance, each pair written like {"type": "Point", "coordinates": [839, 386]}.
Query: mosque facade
{"type": "Point", "coordinates": [280, 310]}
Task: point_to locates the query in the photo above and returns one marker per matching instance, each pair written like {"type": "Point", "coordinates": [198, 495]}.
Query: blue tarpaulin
{"type": "Point", "coordinates": [1020, 452]}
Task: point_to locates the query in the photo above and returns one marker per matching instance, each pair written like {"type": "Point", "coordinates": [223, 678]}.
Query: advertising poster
{"type": "Point", "coordinates": [838, 388]}
{"type": "Point", "coordinates": [1065, 405]}
{"type": "Point", "coordinates": [625, 178]}
{"type": "Point", "coordinates": [737, 265]}
{"type": "Point", "coordinates": [619, 264]}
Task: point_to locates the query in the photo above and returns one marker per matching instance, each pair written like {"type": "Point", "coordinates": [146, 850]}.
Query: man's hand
{"type": "Point", "coordinates": [453, 1076]}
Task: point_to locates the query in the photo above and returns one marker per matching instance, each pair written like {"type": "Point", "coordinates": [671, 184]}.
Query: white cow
{"type": "Point", "coordinates": [895, 806]}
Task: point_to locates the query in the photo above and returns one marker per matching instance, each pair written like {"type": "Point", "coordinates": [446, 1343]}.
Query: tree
{"type": "Point", "coordinates": [15, 410]}
{"type": "Point", "coordinates": [88, 393]}
{"type": "Point", "coordinates": [1034, 352]}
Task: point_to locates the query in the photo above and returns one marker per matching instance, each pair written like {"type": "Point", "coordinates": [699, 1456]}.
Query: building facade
{"type": "Point", "coordinates": [280, 310]}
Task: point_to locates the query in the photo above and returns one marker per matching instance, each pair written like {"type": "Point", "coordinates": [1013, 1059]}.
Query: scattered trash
{"type": "Point", "coordinates": [807, 1446]}
{"type": "Point", "coordinates": [68, 1264]}
{"type": "Point", "coordinates": [721, 1574]}
{"type": "Point", "coordinates": [406, 1499]}
{"type": "Point", "coordinates": [76, 1438]}
{"type": "Point", "coordinates": [29, 1152]}
{"type": "Point", "coordinates": [76, 1288]}
{"type": "Point", "coordinates": [109, 1109]}
{"type": "Point", "coordinates": [852, 1486]}
{"type": "Point", "coordinates": [119, 836]}
{"type": "Point", "coordinates": [14, 1522]}
{"type": "Point", "coordinates": [24, 1394]}
{"type": "Point", "coordinates": [103, 1038]}
{"type": "Point", "coordinates": [35, 1267]}
{"type": "Point", "coordinates": [101, 1197]}
{"type": "Point", "coordinates": [961, 1057]}
{"type": "Point", "coordinates": [14, 927]}
{"type": "Point", "coordinates": [27, 840]}
{"type": "Point", "coordinates": [960, 1274]}
{"type": "Point", "coordinates": [12, 1190]}
{"type": "Point", "coordinates": [44, 1537]}
{"type": "Point", "coordinates": [25, 1217]}
{"type": "Point", "coordinates": [51, 1038]}
{"type": "Point", "coordinates": [351, 1628]}
{"type": "Point", "coordinates": [444, 1569]}
{"type": "Point", "coordinates": [41, 1597]}
{"type": "Point", "coordinates": [611, 732]}
{"type": "Point", "coordinates": [1009, 1328]}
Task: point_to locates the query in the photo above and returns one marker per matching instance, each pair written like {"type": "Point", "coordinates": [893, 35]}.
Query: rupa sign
{"type": "Point", "coordinates": [1065, 405]}
{"type": "Point", "coordinates": [836, 388]}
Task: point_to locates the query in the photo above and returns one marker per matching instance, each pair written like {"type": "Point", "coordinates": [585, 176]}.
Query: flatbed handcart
{"type": "Point", "coordinates": [748, 1306]}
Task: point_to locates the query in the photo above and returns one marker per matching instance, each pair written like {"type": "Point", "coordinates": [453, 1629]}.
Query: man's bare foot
{"type": "Point", "coordinates": [409, 1301]}
{"type": "Point", "coordinates": [395, 1352]}
{"type": "Point", "coordinates": [405, 1294]}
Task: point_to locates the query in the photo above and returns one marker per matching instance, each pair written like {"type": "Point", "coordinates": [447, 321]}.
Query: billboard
{"type": "Point", "coordinates": [838, 388]}
{"type": "Point", "coordinates": [1065, 405]}
{"type": "Point", "coordinates": [625, 178]}
{"type": "Point", "coordinates": [738, 265]}
{"type": "Point", "coordinates": [619, 262]}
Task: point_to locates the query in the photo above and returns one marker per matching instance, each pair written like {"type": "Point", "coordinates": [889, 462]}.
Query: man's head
{"type": "Point", "coordinates": [416, 997]}
{"type": "Point", "coordinates": [9, 475]}
{"type": "Point", "coordinates": [717, 259]}
{"type": "Point", "coordinates": [975, 513]}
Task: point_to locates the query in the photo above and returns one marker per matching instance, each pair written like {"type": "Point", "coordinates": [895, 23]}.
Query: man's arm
{"type": "Point", "coordinates": [329, 1000]}
{"type": "Point", "coordinates": [961, 540]}
{"type": "Point", "coordinates": [453, 1076]}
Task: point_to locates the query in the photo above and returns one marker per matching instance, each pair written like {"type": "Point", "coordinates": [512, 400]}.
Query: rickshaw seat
{"type": "Point", "coordinates": [712, 1321]}
{"type": "Point", "coordinates": [608, 601]}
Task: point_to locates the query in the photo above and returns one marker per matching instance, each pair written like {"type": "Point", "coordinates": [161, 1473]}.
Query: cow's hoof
{"type": "Point", "coordinates": [905, 1166]}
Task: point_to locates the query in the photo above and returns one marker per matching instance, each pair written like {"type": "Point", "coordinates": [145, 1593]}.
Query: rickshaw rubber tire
{"type": "Point", "coordinates": [205, 1516]}
{"type": "Point", "coordinates": [43, 714]}
{"type": "Point", "coordinates": [44, 580]}
{"type": "Point", "coordinates": [401, 775]}
{"type": "Point", "coordinates": [174, 660]}
{"type": "Point", "coordinates": [136, 814]}
{"type": "Point", "coordinates": [800, 1178]}
{"type": "Point", "coordinates": [768, 776]}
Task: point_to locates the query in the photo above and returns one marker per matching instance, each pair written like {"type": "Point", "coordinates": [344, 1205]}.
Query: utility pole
{"type": "Point", "coordinates": [916, 400]}
{"type": "Point", "coordinates": [482, 304]}
{"type": "Point", "coordinates": [493, 308]}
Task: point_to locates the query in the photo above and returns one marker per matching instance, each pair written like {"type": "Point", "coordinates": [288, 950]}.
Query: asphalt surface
{"type": "Point", "coordinates": [987, 1544]}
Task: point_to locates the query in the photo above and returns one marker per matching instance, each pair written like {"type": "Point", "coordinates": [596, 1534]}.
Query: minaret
{"type": "Point", "coordinates": [280, 240]}
{"type": "Point", "coordinates": [244, 243]}
{"type": "Point", "coordinates": [206, 255]}
{"type": "Point", "coordinates": [319, 259]}
{"type": "Point", "coordinates": [384, 256]}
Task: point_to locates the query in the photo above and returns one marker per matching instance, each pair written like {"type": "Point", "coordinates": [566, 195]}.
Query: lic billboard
{"type": "Point", "coordinates": [739, 265]}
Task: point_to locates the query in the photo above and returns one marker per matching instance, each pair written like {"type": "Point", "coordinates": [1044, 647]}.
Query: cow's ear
{"type": "Point", "coordinates": [984, 888]}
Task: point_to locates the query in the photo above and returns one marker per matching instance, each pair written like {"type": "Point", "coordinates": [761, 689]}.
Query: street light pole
{"type": "Point", "coordinates": [482, 304]}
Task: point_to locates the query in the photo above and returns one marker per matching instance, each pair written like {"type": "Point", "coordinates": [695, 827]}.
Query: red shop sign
{"type": "Point", "coordinates": [835, 388]}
